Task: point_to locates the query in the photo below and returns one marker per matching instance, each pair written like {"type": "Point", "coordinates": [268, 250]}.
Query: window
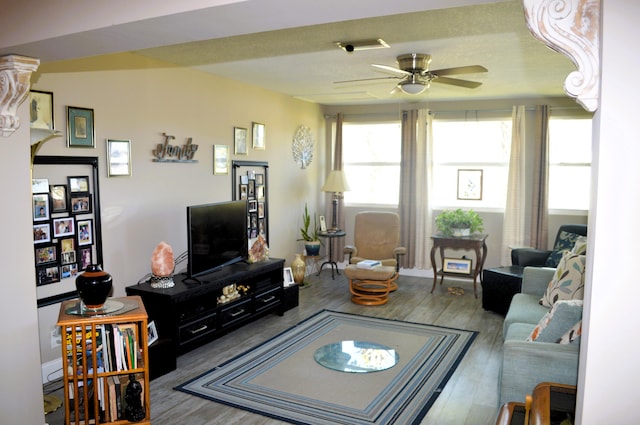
{"type": "Point", "coordinates": [569, 163]}
{"type": "Point", "coordinates": [471, 145]}
{"type": "Point", "coordinates": [371, 161]}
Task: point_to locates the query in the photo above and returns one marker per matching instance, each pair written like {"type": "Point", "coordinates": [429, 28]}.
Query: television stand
{"type": "Point", "coordinates": [189, 315]}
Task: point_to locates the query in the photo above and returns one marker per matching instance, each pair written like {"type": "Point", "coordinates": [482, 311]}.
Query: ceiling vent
{"type": "Point", "coordinates": [352, 46]}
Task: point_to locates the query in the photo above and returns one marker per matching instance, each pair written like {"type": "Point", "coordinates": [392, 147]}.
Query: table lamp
{"type": "Point", "coordinates": [337, 184]}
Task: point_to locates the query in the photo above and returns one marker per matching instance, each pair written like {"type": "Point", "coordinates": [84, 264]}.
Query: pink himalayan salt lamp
{"type": "Point", "coordinates": [162, 263]}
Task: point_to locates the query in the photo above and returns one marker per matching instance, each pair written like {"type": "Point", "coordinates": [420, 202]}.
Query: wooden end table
{"type": "Point", "coordinates": [476, 243]}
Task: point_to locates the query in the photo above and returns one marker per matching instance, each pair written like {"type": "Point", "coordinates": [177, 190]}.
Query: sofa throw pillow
{"type": "Point", "coordinates": [563, 316]}
{"type": "Point", "coordinates": [564, 243]}
{"type": "Point", "coordinates": [572, 336]}
{"type": "Point", "coordinates": [580, 247]}
{"type": "Point", "coordinates": [567, 282]}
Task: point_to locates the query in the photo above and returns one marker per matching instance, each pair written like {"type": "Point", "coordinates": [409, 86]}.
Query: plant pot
{"type": "Point", "coordinates": [458, 233]}
{"type": "Point", "coordinates": [312, 247]}
{"type": "Point", "coordinates": [94, 286]}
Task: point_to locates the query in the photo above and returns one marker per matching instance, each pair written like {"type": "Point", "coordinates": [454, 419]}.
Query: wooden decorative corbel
{"type": "Point", "coordinates": [15, 80]}
{"type": "Point", "coordinates": [571, 27]}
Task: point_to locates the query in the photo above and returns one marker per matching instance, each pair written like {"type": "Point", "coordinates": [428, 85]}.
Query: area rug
{"type": "Point", "coordinates": [280, 378]}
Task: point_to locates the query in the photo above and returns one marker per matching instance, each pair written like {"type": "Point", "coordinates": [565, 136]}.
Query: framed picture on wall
{"type": "Point", "coordinates": [41, 233]}
{"type": "Point", "coordinates": [119, 158]}
{"type": "Point", "coordinates": [258, 136]}
{"type": "Point", "coordinates": [78, 184]}
{"type": "Point", "coordinates": [240, 140]}
{"type": "Point", "coordinates": [41, 207]}
{"type": "Point", "coordinates": [59, 198]}
{"type": "Point", "coordinates": [41, 110]}
{"type": "Point", "coordinates": [80, 128]}
{"type": "Point", "coordinates": [81, 203]}
{"type": "Point", "coordinates": [220, 159]}
{"type": "Point", "coordinates": [470, 184]}
{"type": "Point", "coordinates": [85, 232]}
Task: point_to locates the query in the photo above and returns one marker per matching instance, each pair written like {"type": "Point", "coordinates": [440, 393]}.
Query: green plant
{"type": "Point", "coordinates": [309, 235]}
{"type": "Point", "coordinates": [449, 220]}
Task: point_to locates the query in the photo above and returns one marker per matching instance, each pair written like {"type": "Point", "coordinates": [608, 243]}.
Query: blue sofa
{"type": "Point", "coordinates": [527, 363]}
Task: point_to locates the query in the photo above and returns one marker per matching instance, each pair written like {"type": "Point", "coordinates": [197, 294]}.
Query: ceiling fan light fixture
{"type": "Point", "coordinates": [413, 86]}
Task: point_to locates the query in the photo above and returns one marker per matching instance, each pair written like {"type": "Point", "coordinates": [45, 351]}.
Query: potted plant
{"type": "Point", "coordinates": [459, 223]}
{"type": "Point", "coordinates": [310, 235]}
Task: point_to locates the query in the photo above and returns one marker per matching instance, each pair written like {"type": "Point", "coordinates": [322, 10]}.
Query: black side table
{"type": "Point", "coordinates": [333, 264]}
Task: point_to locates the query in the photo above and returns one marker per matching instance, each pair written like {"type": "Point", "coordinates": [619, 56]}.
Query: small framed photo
{"type": "Point", "coordinates": [85, 232]}
{"type": "Point", "coordinates": [470, 185]}
{"type": "Point", "coordinates": [47, 274]}
{"type": "Point", "coordinates": [240, 140]}
{"type": "Point", "coordinates": [78, 184]}
{"type": "Point", "coordinates": [244, 191]}
{"type": "Point", "coordinates": [152, 333]}
{"type": "Point", "coordinates": [46, 254]}
{"type": "Point", "coordinates": [258, 135]}
{"type": "Point", "coordinates": [253, 205]}
{"type": "Point", "coordinates": [81, 203]}
{"type": "Point", "coordinates": [220, 159]}
{"type": "Point", "coordinates": [118, 158]}
{"type": "Point", "coordinates": [39, 185]}
{"type": "Point", "coordinates": [260, 209]}
{"type": "Point", "coordinates": [41, 233]}
{"type": "Point", "coordinates": [85, 257]}
{"type": "Point", "coordinates": [288, 276]}
{"type": "Point", "coordinates": [259, 178]}
{"type": "Point", "coordinates": [69, 270]}
{"type": "Point", "coordinates": [456, 265]}
{"type": "Point", "coordinates": [59, 198]}
{"type": "Point", "coordinates": [63, 226]}
{"type": "Point", "coordinates": [260, 191]}
{"type": "Point", "coordinates": [41, 207]}
{"type": "Point", "coordinates": [41, 110]}
{"type": "Point", "coordinates": [68, 257]}
{"type": "Point", "coordinates": [323, 224]}
{"type": "Point", "coordinates": [80, 128]}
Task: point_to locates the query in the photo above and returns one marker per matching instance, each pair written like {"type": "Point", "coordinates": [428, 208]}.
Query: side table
{"type": "Point", "coordinates": [329, 236]}
{"type": "Point", "coordinates": [475, 243]}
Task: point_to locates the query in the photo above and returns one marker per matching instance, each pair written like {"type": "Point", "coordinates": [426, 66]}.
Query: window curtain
{"type": "Point", "coordinates": [414, 214]}
{"type": "Point", "coordinates": [337, 243]}
{"type": "Point", "coordinates": [513, 225]}
{"type": "Point", "coordinates": [540, 215]}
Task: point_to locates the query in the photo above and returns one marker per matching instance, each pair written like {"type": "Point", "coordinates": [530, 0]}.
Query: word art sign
{"type": "Point", "coordinates": [165, 152]}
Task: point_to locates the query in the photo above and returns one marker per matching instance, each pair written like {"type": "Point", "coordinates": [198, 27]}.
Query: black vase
{"type": "Point", "coordinates": [94, 286]}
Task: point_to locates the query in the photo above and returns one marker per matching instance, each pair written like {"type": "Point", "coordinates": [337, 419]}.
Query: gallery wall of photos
{"type": "Point", "coordinates": [66, 223]}
{"type": "Point", "coordinates": [249, 182]}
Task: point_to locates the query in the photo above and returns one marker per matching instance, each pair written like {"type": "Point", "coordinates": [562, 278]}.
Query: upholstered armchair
{"type": "Point", "coordinates": [376, 237]}
{"type": "Point", "coordinates": [565, 239]}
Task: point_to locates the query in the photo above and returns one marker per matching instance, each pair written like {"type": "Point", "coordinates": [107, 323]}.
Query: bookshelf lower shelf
{"type": "Point", "coordinates": [105, 364]}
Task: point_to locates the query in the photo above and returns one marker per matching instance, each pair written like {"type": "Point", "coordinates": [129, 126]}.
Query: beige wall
{"type": "Point", "coordinates": [137, 100]}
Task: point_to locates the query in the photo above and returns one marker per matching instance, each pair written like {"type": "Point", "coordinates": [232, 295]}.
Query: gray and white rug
{"type": "Point", "coordinates": [280, 378]}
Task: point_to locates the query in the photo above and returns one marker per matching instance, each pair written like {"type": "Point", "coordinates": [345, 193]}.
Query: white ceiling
{"type": "Point", "coordinates": [288, 46]}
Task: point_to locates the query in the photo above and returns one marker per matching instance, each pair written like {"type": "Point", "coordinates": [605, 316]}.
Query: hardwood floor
{"type": "Point", "coordinates": [469, 398]}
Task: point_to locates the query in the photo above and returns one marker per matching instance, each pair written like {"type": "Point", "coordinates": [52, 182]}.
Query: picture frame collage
{"type": "Point", "coordinates": [63, 228]}
{"type": "Point", "coordinates": [250, 181]}
{"type": "Point", "coordinates": [252, 188]}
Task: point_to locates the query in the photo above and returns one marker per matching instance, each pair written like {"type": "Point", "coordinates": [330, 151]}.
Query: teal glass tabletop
{"type": "Point", "coordinates": [356, 356]}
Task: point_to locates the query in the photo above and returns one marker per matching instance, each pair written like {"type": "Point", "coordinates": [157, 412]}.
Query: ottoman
{"type": "Point", "coordinates": [370, 286]}
{"type": "Point", "coordinates": [499, 285]}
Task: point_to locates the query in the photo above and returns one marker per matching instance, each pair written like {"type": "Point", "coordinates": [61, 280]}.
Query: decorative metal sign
{"type": "Point", "coordinates": [166, 152]}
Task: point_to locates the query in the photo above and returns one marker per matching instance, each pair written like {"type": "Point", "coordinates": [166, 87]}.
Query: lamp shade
{"type": "Point", "coordinates": [336, 182]}
{"type": "Point", "coordinates": [409, 87]}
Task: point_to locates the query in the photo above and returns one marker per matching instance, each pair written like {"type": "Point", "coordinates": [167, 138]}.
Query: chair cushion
{"type": "Point", "coordinates": [564, 242]}
{"type": "Point", "coordinates": [567, 282]}
{"type": "Point", "coordinates": [524, 308]}
{"type": "Point", "coordinates": [562, 317]}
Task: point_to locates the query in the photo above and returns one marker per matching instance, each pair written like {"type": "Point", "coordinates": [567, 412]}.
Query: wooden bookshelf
{"type": "Point", "coordinates": [96, 395]}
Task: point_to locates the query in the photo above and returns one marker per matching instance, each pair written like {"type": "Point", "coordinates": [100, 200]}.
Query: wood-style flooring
{"type": "Point", "coordinates": [469, 398]}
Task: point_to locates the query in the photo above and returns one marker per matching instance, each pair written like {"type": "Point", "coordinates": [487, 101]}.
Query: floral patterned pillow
{"type": "Point", "coordinates": [558, 321]}
{"type": "Point", "coordinates": [572, 336]}
{"type": "Point", "coordinates": [565, 243]}
{"type": "Point", "coordinates": [567, 282]}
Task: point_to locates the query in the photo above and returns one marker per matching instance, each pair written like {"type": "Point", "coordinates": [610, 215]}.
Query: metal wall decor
{"type": "Point", "coordinates": [302, 146]}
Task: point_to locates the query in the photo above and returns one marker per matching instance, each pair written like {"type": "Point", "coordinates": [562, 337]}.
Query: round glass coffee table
{"type": "Point", "coordinates": [356, 356]}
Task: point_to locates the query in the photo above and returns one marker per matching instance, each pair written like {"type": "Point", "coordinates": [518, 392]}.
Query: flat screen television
{"type": "Point", "coordinates": [216, 236]}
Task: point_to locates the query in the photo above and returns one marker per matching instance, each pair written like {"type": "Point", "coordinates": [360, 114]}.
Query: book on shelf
{"type": "Point", "coordinates": [368, 264]}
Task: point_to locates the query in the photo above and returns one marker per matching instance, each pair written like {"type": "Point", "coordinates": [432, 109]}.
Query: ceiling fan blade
{"type": "Point", "coordinates": [456, 82]}
{"type": "Point", "coordinates": [471, 69]}
{"type": "Point", "coordinates": [368, 79]}
{"type": "Point", "coordinates": [391, 69]}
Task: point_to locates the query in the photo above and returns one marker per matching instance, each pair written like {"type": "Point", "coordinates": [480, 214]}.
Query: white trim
{"type": "Point", "coordinates": [51, 370]}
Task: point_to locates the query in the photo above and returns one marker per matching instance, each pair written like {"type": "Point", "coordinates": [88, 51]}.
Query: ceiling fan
{"type": "Point", "coordinates": [413, 71]}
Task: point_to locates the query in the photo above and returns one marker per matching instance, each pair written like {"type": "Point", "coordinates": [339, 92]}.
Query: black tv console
{"type": "Point", "coordinates": [188, 315]}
